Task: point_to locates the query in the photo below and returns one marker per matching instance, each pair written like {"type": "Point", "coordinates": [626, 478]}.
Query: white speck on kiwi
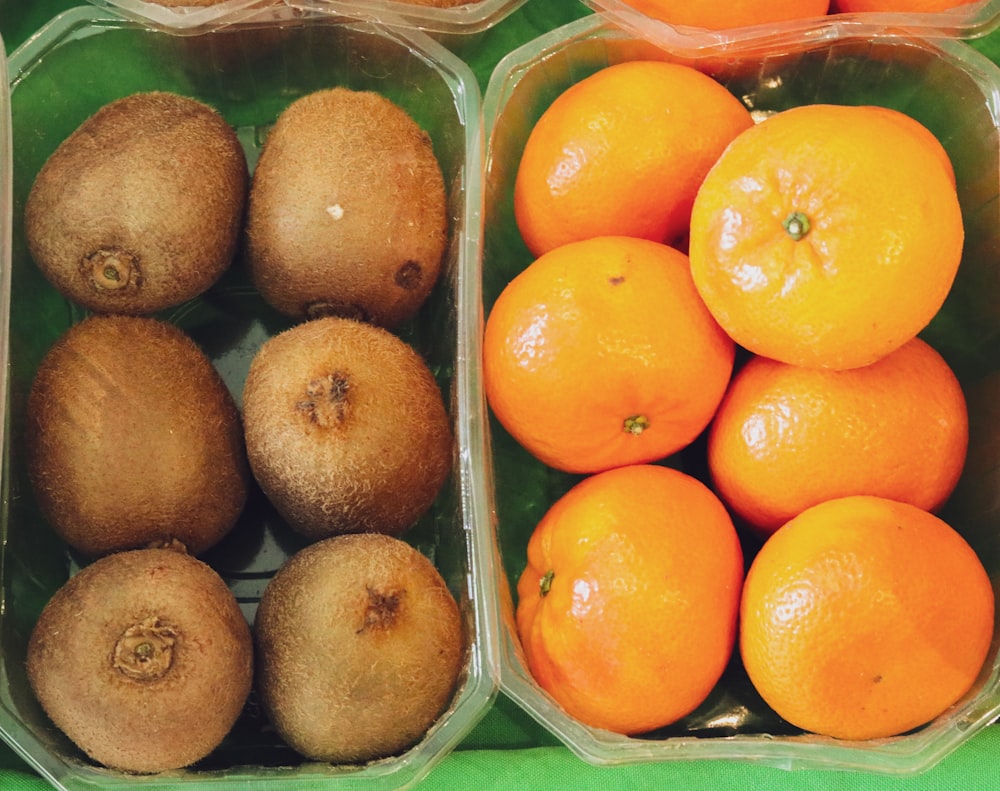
{"type": "Point", "coordinates": [336, 211]}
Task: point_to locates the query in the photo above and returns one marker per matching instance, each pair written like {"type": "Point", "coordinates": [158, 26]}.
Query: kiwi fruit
{"type": "Point", "coordinates": [141, 207]}
{"type": "Point", "coordinates": [132, 439]}
{"type": "Point", "coordinates": [347, 211]}
{"type": "Point", "coordinates": [143, 659]}
{"type": "Point", "coordinates": [359, 648]}
{"type": "Point", "coordinates": [346, 429]}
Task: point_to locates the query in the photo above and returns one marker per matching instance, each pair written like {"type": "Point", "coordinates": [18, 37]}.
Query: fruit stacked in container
{"type": "Point", "coordinates": [129, 327]}
{"type": "Point", "coordinates": [631, 547]}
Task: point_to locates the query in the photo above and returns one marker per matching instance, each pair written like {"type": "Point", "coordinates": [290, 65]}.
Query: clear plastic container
{"type": "Point", "coordinates": [473, 17]}
{"type": "Point", "coordinates": [187, 19]}
{"type": "Point", "coordinates": [476, 16]}
{"type": "Point", "coordinates": [79, 62]}
{"type": "Point", "coordinates": [971, 20]}
{"type": "Point", "coordinates": [6, 199]}
{"type": "Point", "coordinates": [955, 92]}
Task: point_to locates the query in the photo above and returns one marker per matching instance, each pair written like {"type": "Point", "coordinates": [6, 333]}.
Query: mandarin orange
{"type": "Point", "coordinates": [827, 236]}
{"type": "Point", "coordinates": [622, 152]}
{"type": "Point", "coordinates": [864, 617]}
{"type": "Point", "coordinates": [600, 353]}
{"type": "Point", "coordinates": [736, 13]}
{"type": "Point", "coordinates": [787, 437]}
{"type": "Point", "coordinates": [627, 607]}
{"type": "Point", "coordinates": [919, 134]}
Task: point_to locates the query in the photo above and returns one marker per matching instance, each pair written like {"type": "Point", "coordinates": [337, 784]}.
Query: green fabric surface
{"type": "Point", "coordinates": [972, 768]}
{"type": "Point", "coordinates": [507, 749]}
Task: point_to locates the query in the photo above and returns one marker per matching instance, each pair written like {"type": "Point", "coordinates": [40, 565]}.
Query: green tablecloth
{"type": "Point", "coordinates": [507, 749]}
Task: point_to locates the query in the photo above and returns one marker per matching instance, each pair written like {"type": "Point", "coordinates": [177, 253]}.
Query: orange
{"type": "Point", "coordinates": [786, 437]}
{"type": "Point", "coordinates": [627, 607]}
{"type": "Point", "coordinates": [908, 6]}
{"type": "Point", "coordinates": [920, 134]}
{"type": "Point", "coordinates": [721, 15]}
{"type": "Point", "coordinates": [600, 354]}
{"type": "Point", "coordinates": [827, 236]}
{"type": "Point", "coordinates": [864, 618]}
{"type": "Point", "coordinates": [622, 152]}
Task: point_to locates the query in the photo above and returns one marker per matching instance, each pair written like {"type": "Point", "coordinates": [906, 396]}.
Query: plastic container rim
{"type": "Point", "coordinates": [470, 18]}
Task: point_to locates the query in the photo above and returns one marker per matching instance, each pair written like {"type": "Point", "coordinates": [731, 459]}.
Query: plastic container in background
{"type": "Point", "coordinates": [186, 19]}
{"type": "Point", "coordinates": [955, 92]}
{"type": "Point", "coordinates": [971, 20]}
{"type": "Point", "coordinates": [475, 16]}
{"type": "Point", "coordinates": [6, 199]}
{"type": "Point", "coordinates": [84, 59]}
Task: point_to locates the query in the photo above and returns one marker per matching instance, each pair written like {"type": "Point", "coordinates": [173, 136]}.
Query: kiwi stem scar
{"type": "Point", "coordinates": [112, 269]}
{"type": "Point", "coordinates": [327, 399]}
{"type": "Point", "coordinates": [145, 650]}
{"type": "Point", "coordinates": [382, 610]}
{"type": "Point", "coordinates": [796, 225]}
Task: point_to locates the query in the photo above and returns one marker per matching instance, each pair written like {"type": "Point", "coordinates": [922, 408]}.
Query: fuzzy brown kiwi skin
{"type": "Point", "coordinates": [346, 429]}
{"type": "Point", "coordinates": [347, 211]}
{"type": "Point", "coordinates": [143, 659]}
{"type": "Point", "coordinates": [133, 439]}
{"type": "Point", "coordinates": [360, 645]}
{"type": "Point", "coordinates": [141, 207]}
